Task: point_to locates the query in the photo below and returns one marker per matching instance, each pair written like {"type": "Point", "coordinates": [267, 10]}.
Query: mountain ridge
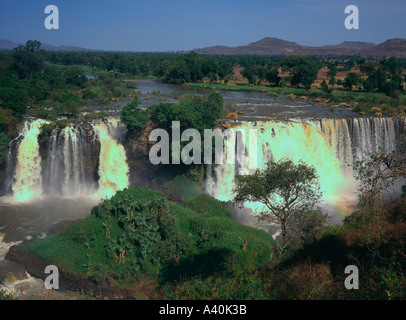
{"type": "Point", "coordinates": [275, 46]}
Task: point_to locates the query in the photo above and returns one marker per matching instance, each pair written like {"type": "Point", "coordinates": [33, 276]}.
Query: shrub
{"type": "Point", "coordinates": [134, 117]}
{"type": "Point", "coordinates": [272, 94]}
{"type": "Point", "coordinates": [232, 116]}
{"type": "Point", "coordinates": [207, 205]}
{"type": "Point", "coordinates": [138, 233]}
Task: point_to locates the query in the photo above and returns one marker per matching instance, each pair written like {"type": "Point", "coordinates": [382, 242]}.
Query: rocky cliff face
{"type": "Point", "coordinates": [137, 146]}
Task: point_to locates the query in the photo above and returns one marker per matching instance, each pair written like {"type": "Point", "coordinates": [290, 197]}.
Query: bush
{"type": "Point", "coordinates": [208, 206]}
{"type": "Point", "coordinates": [134, 117]}
{"type": "Point", "coordinates": [193, 111]}
{"type": "Point", "coordinates": [232, 116]}
{"type": "Point", "coordinates": [138, 233]}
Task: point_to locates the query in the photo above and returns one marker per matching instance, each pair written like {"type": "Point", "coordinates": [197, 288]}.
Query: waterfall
{"type": "Point", "coordinates": [353, 139]}
{"type": "Point", "coordinates": [68, 153]}
{"type": "Point", "coordinates": [113, 168]}
{"type": "Point", "coordinates": [80, 159]}
{"type": "Point", "coordinates": [28, 180]}
{"type": "Point", "coordinates": [330, 145]}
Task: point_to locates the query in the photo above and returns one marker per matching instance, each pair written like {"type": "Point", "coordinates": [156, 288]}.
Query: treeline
{"type": "Point", "coordinates": [169, 67]}
{"type": "Point", "coordinates": [383, 76]}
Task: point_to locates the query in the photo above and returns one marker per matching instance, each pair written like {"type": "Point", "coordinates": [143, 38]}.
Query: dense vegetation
{"type": "Point", "coordinates": [190, 248]}
{"type": "Point", "coordinates": [194, 250]}
{"type": "Point", "coordinates": [138, 234]}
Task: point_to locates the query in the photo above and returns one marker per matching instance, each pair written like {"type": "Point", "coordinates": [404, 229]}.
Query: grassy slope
{"type": "Point", "coordinates": [215, 246]}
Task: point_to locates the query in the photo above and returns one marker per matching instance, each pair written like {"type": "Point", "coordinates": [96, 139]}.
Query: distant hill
{"type": "Point", "coordinates": [393, 47]}
{"type": "Point", "coordinates": [275, 46]}
{"type": "Point", "coordinates": [9, 45]}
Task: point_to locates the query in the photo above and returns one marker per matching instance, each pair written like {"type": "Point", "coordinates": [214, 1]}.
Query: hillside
{"type": "Point", "coordinates": [393, 47]}
{"type": "Point", "coordinates": [275, 46]}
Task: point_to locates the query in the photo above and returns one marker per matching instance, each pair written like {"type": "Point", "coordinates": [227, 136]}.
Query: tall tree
{"type": "Point", "coordinates": [287, 190]}
{"type": "Point", "coordinates": [351, 80]}
{"type": "Point", "coordinates": [272, 76]}
{"type": "Point", "coordinates": [28, 59]}
{"type": "Point", "coordinates": [303, 69]}
{"type": "Point", "coordinates": [249, 72]}
{"type": "Point", "coordinates": [225, 71]}
{"type": "Point", "coordinates": [331, 74]}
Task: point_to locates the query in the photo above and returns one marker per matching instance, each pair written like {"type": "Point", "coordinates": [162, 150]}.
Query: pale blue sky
{"type": "Point", "coordinates": [166, 25]}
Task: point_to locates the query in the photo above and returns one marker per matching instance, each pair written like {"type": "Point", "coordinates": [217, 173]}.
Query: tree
{"type": "Point", "coordinates": [272, 76]}
{"type": "Point", "coordinates": [134, 117]}
{"type": "Point", "coordinates": [225, 71]}
{"type": "Point", "coordinates": [352, 79]}
{"type": "Point", "coordinates": [28, 60]}
{"type": "Point", "coordinates": [178, 73]}
{"type": "Point", "coordinates": [75, 77]}
{"type": "Point", "coordinates": [70, 103]}
{"type": "Point", "coordinates": [378, 172]}
{"type": "Point", "coordinates": [324, 86]}
{"type": "Point", "coordinates": [304, 70]}
{"type": "Point", "coordinates": [393, 65]}
{"type": "Point", "coordinates": [376, 80]}
{"type": "Point", "coordinates": [370, 67]}
{"type": "Point", "coordinates": [287, 190]}
{"type": "Point", "coordinates": [13, 99]}
{"type": "Point", "coordinates": [194, 65]}
{"type": "Point", "coordinates": [331, 74]}
{"type": "Point", "coordinates": [249, 72]}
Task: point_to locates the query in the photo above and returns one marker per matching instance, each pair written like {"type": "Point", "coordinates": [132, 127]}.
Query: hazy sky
{"type": "Point", "coordinates": [166, 25]}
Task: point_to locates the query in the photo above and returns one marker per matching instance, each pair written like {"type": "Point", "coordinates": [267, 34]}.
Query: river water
{"type": "Point", "coordinates": [19, 221]}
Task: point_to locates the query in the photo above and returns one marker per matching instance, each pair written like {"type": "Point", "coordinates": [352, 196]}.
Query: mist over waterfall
{"type": "Point", "coordinates": [80, 159]}
{"type": "Point", "coordinates": [330, 145]}
{"type": "Point", "coordinates": [89, 159]}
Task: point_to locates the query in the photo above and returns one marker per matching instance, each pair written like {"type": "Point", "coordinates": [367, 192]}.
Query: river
{"type": "Point", "coordinates": [20, 221]}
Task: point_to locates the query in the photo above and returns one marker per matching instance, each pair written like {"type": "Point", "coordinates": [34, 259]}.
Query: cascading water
{"type": "Point", "coordinates": [353, 138]}
{"type": "Point", "coordinates": [75, 161]}
{"type": "Point", "coordinates": [330, 145]}
{"type": "Point", "coordinates": [28, 179]}
{"type": "Point", "coordinates": [68, 156]}
{"type": "Point", "coordinates": [113, 168]}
